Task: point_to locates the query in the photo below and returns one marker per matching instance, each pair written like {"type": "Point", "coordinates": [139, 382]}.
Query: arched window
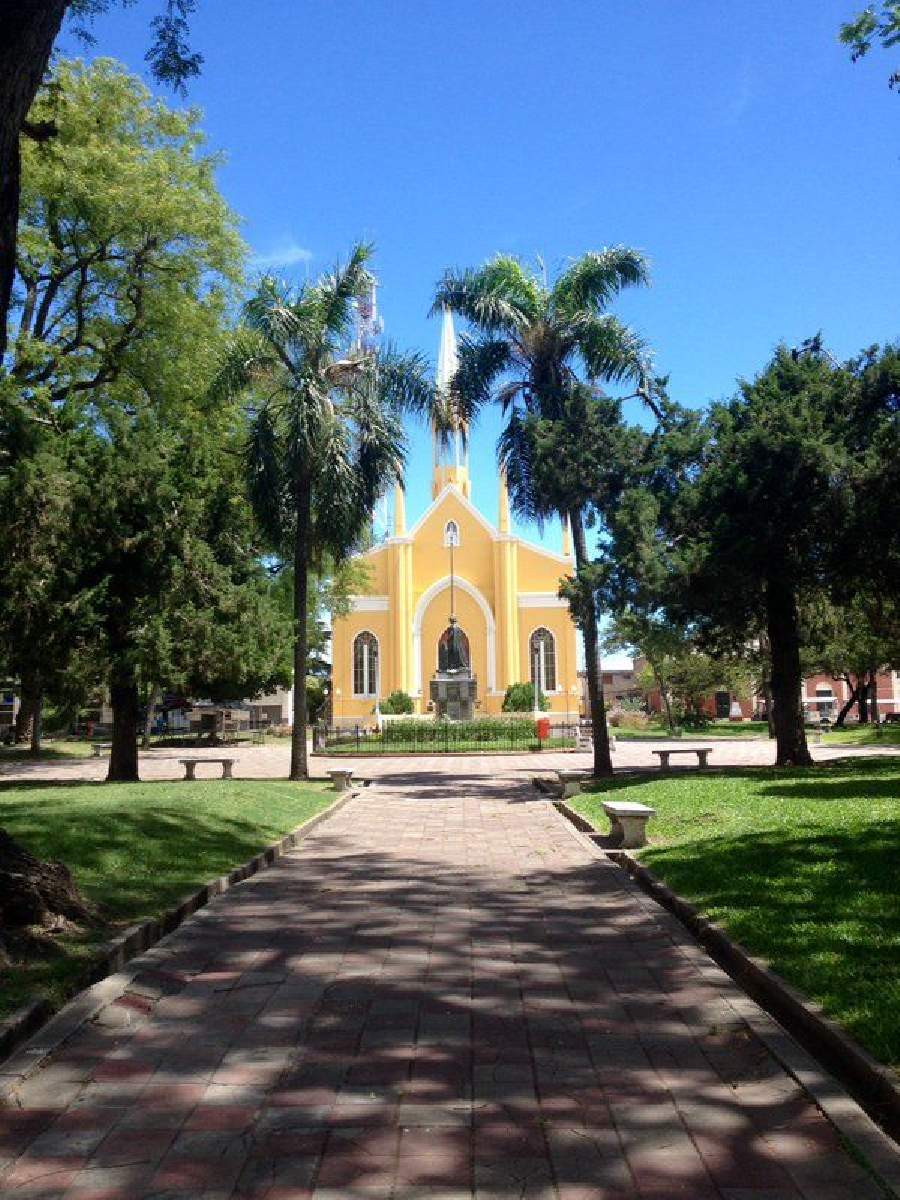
{"type": "Point", "coordinates": [451, 534]}
{"type": "Point", "coordinates": [542, 655]}
{"type": "Point", "coordinates": [365, 664]}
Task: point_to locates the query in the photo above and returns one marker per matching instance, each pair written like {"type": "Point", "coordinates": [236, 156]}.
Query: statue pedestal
{"type": "Point", "coordinates": [453, 695]}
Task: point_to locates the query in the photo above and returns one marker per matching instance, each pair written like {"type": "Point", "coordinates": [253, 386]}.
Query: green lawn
{"type": "Point", "coordinates": [715, 729]}
{"type": "Point", "coordinates": [49, 750]}
{"type": "Point", "coordinates": [800, 866]}
{"type": "Point", "coordinates": [864, 735]}
{"type": "Point", "coordinates": [138, 848]}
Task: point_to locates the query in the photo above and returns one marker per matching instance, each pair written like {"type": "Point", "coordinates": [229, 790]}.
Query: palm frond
{"type": "Point", "coordinates": [502, 296]}
{"type": "Point", "coordinates": [517, 454]}
{"type": "Point", "coordinates": [334, 294]}
{"type": "Point", "coordinates": [265, 478]}
{"type": "Point", "coordinates": [404, 382]}
{"type": "Point", "coordinates": [595, 279]}
{"type": "Point", "coordinates": [271, 310]}
{"type": "Point", "coordinates": [483, 362]}
{"type": "Point", "coordinates": [611, 350]}
{"type": "Point", "coordinates": [248, 360]}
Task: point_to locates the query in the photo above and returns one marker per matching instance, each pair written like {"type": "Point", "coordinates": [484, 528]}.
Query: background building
{"type": "Point", "coordinates": [453, 561]}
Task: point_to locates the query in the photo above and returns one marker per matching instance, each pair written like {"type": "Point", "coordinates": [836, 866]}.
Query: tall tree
{"type": "Point", "coordinates": [127, 257]}
{"type": "Point", "coordinates": [28, 31]}
{"type": "Point", "coordinates": [182, 598]}
{"type": "Point", "coordinates": [756, 529]}
{"type": "Point", "coordinates": [537, 345]}
{"type": "Point", "coordinates": [326, 438]}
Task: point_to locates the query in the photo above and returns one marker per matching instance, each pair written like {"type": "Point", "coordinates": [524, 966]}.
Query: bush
{"type": "Point", "coordinates": [520, 698]}
{"type": "Point", "coordinates": [398, 704]}
{"type": "Point", "coordinates": [316, 698]}
{"type": "Point", "coordinates": [622, 719]}
{"type": "Point", "coordinates": [487, 729]}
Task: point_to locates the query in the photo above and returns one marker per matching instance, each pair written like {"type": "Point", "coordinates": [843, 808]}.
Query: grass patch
{"type": "Point", "coordinates": [49, 750]}
{"type": "Point", "coordinates": [136, 849]}
{"type": "Point", "coordinates": [715, 729]}
{"type": "Point", "coordinates": [864, 735]}
{"type": "Point", "coordinates": [799, 866]}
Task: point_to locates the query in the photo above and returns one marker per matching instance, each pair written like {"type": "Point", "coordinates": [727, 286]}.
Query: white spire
{"type": "Point", "coordinates": [448, 360]}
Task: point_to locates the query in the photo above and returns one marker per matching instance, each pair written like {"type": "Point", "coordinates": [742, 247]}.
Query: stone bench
{"type": "Point", "coordinates": [628, 822]}
{"type": "Point", "coordinates": [584, 739]}
{"type": "Point", "coordinates": [341, 779]}
{"type": "Point", "coordinates": [190, 766]}
{"type": "Point", "coordinates": [570, 781]}
{"type": "Point", "coordinates": [702, 752]}
{"type": "Point", "coordinates": [100, 749]}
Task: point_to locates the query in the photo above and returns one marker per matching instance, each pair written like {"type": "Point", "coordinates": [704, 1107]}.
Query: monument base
{"type": "Point", "coordinates": [453, 695]}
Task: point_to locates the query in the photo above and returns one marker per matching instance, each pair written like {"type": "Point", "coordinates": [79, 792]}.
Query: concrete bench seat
{"type": "Point", "coordinates": [100, 749]}
{"type": "Point", "coordinates": [190, 766]}
{"type": "Point", "coordinates": [341, 779]}
{"type": "Point", "coordinates": [628, 822]}
{"type": "Point", "coordinates": [702, 752]}
{"type": "Point", "coordinates": [570, 781]}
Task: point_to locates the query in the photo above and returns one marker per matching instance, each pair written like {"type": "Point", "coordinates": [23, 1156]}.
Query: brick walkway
{"type": "Point", "coordinates": [441, 994]}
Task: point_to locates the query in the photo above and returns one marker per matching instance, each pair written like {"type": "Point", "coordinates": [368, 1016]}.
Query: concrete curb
{"type": "Point", "coordinates": [805, 1041]}
{"type": "Point", "coordinates": [109, 978]}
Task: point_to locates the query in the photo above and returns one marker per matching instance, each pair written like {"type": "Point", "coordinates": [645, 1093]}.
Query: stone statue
{"type": "Point", "coordinates": [453, 650]}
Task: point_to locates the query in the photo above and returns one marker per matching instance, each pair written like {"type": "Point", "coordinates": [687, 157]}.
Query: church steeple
{"type": "Point", "coordinates": [450, 454]}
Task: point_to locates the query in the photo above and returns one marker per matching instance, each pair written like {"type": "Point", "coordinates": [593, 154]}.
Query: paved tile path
{"type": "Point", "coordinates": [442, 993]}
{"type": "Point", "coordinates": [272, 761]}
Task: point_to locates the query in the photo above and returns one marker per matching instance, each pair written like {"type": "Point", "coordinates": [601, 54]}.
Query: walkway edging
{"type": "Point", "coordinates": [792, 1026]}
{"type": "Point", "coordinates": [110, 981]}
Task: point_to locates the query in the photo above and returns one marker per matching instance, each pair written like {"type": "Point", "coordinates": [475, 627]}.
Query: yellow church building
{"type": "Point", "coordinates": [453, 562]}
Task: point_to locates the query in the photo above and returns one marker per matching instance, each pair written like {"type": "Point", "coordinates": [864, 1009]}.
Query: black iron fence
{"type": "Point", "coordinates": [445, 737]}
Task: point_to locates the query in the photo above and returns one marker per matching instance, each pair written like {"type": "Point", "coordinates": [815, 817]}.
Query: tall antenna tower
{"type": "Point", "coordinates": [369, 328]}
{"type": "Point", "coordinates": [369, 325]}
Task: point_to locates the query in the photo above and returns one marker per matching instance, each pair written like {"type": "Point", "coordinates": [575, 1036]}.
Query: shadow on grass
{"type": "Point", "coordinates": [836, 779]}
{"type": "Point", "coordinates": [822, 907]}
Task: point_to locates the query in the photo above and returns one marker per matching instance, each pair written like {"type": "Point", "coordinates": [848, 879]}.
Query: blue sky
{"type": "Point", "coordinates": [734, 143]}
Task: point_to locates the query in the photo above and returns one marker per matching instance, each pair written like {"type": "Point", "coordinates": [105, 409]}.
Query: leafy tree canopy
{"type": "Point", "coordinates": [879, 24]}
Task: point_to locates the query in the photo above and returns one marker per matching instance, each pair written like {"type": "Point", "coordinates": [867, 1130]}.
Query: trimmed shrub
{"type": "Point", "coordinates": [398, 704]}
{"type": "Point", "coordinates": [520, 698]}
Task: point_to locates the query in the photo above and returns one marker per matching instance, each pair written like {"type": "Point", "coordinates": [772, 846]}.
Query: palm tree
{"type": "Point", "coordinates": [540, 350]}
{"type": "Point", "coordinates": [326, 438]}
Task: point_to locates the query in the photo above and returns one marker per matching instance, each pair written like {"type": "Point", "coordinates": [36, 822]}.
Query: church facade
{"type": "Point", "coordinates": [453, 563]}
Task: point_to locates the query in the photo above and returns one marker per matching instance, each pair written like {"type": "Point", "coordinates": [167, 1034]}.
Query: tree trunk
{"type": "Point", "coordinates": [873, 695]}
{"type": "Point", "coordinates": [123, 696]}
{"type": "Point", "coordinates": [848, 704]}
{"type": "Point", "coordinates": [787, 679]}
{"type": "Point", "coordinates": [34, 892]}
{"type": "Point", "coordinates": [153, 696]}
{"type": "Point", "coordinates": [37, 724]}
{"type": "Point", "coordinates": [862, 699]}
{"type": "Point", "coordinates": [299, 766]}
{"type": "Point", "coordinates": [663, 693]}
{"type": "Point", "coordinates": [28, 29]}
{"type": "Point", "coordinates": [602, 759]}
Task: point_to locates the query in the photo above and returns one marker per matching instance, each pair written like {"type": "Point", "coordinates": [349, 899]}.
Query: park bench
{"type": "Point", "coordinates": [702, 752]}
{"type": "Point", "coordinates": [628, 822]}
{"type": "Point", "coordinates": [100, 749]}
{"type": "Point", "coordinates": [570, 781]}
{"type": "Point", "coordinates": [190, 766]}
{"type": "Point", "coordinates": [341, 779]}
